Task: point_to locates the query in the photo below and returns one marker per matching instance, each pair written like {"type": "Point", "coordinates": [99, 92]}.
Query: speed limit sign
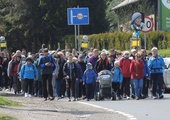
{"type": "Point", "coordinates": [148, 25]}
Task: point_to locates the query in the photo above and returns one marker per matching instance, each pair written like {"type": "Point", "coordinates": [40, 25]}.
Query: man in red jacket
{"type": "Point", "coordinates": [125, 67]}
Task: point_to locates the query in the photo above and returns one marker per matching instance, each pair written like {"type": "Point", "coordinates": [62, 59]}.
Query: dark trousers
{"type": "Point", "coordinates": [82, 89]}
{"type": "Point", "coordinates": [116, 87]}
{"type": "Point", "coordinates": [145, 86]}
{"type": "Point", "coordinates": [47, 78]}
{"type": "Point", "coordinates": [125, 87]}
{"type": "Point", "coordinates": [70, 88]}
{"type": "Point", "coordinates": [16, 84]}
{"type": "Point", "coordinates": [38, 88]}
{"type": "Point", "coordinates": [6, 80]}
{"type": "Point", "coordinates": [157, 81]}
{"type": "Point", "coordinates": [90, 91]}
{"type": "Point", "coordinates": [63, 87]}
{"type": "Point", "coordinates": [1, 79]}
{"type": "Point", "coordinates": [28, 85]}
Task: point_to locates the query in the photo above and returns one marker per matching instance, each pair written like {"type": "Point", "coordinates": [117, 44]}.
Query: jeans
{"type": "Point", "coordinates": [157, 82]}
{"type": "Point", "coordinates": [58, 87]}
{"type": "Point", "coordinates": [138, 85]}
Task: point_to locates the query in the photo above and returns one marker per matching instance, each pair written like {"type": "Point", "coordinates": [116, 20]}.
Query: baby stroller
{"type": "Point", "coordinates": [104, 85]}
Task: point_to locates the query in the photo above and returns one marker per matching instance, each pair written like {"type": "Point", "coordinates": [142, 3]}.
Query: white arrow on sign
{"type": "Point", "coordinates": [148, 25]}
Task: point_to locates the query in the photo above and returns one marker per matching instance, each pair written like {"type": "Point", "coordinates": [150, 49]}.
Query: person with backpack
{"type": "Point", "coordinates": [117, 80]}
{"type": "Point", "coordinates": [28, 72]}
{"type": "Point", "coordinates": [89, 77]}
{"type": "Point", "coordinates": [71, 76]}
{"type": "Point", "coordinates": [125, 67]}
{"type": "Point", "coordinates": [137, 74]}
{"type": "Point", "coordinates": [156, 65]}
{"type": "Point", "coordinates": [47, 64]}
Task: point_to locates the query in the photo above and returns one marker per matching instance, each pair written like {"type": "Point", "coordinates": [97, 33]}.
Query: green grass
{"type": "Point", "coordinates": [6, 117]}
{"type": "Point", "coordinates": [5, 101]}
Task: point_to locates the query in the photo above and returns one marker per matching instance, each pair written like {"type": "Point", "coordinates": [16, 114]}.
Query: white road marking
{"type": "Point", "coordinates": [130, 117]}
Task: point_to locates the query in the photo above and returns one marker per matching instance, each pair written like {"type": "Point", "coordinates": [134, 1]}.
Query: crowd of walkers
{"type": "Point", "coordinates": [73, 74]}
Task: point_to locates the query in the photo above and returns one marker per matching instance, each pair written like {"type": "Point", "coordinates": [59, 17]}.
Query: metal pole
{"type": "Point", "coordinates": [79, 38]}
{"type": "Point", "coordinates": [75, 30]}
{"type": "Point", "coordinates": [145, 40]}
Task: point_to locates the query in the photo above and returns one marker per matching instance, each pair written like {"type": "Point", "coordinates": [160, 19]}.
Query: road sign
{"type": "Point", "coordinates": [148, 25]}
{"type": "Point", "coordinates": [78, 16]}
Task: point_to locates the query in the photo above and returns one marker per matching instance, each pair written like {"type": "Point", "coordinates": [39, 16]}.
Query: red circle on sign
{"type": "Point", "coordinates": [152, 24]}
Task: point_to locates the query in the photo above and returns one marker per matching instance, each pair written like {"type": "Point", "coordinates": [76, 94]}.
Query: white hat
{"type": "Point", "coordinates": [116, 62]}
{"type": "Point", "coordinates": [133, 50]}
{"type": "Point", "coordinates": [126, 52]}
{"type": "Point", "coordinates": [154, 49]}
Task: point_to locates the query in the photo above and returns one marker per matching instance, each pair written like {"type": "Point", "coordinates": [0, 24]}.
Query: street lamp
{"type": "Point", "coordinates": [2, 38]}
{"type": "Point", "coordinates": [2, 42]}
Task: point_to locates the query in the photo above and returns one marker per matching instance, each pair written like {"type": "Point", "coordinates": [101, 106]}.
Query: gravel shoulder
{"type": "Point", "coordinates": [36, 109]}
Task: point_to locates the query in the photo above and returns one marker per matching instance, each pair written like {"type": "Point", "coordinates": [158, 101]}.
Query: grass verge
{"type": "Point", "coordinates": [6, 117]}
{"type": "Point", "coordinates": [6, 101]}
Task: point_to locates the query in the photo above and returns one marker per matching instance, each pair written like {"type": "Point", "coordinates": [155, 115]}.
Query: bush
{"type": "Point", "coordinates": [121, 40]}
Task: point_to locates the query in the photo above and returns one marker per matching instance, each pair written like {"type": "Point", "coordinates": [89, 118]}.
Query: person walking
{"type": "Point", "coordinates": [156, 65]}
{"type": "Point", "coordinates": [89, 77]}
{"type": "Point", "coordinates": [70, 74]}
{"type": "Point", "coordinates": [117, 80]}
{"type": "Point", "coordinates": [28, 72]}
{"type": "Point", "coordinates": [125, 65]}
{"type": "Point", "coordinates": [46, 62]}
{"type": "Point", "coordinates": [137, 74]}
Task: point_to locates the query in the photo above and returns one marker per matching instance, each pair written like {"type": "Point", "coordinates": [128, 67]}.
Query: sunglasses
{"type": "Point", "coordinates": [126, 54]}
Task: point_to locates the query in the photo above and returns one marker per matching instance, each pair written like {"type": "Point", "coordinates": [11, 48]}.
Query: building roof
{"type": "Point", "coordinates": [124, 3]}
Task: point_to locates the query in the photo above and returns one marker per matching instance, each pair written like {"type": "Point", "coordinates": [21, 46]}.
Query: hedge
{"type": "Point", "coordinates": [121, 40]}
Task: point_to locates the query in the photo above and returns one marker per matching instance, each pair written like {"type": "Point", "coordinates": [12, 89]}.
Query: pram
{"type": "Point", "coordinates": [104, 85]}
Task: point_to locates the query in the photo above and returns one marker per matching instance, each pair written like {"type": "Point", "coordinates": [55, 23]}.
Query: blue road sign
{"type": "Point", "coordinates": [78, 16]}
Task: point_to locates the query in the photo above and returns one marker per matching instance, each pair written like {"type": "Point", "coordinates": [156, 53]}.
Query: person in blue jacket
{"type": "Point", "coordinates": [156, 65]}
{"type": "Point", "coordinates": [89, 78]}
{"type": "Point", "coordinates": [117, 80]}
{"type": "Point", "coordinates": [28, 72]}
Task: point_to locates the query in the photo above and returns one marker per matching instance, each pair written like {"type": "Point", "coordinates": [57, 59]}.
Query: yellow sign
{"type": "Point", "coordinates": [3, 44]}
{"type": "Point", "coordinates": [135, 43]}
{"type": "Point", "coordinates": [84, 45]}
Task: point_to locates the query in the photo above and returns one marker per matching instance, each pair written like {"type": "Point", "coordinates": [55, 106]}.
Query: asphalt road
{"type": "Point", "coordinates": [144, 109]}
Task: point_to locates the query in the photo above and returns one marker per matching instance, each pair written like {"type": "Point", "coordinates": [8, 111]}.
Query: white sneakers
{"type": "Point", "coordinates": [28, 95]}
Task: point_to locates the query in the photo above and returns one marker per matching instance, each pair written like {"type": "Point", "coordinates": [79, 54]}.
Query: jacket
{"type": "Point", "coordinates": [124, 66]}
{"type": "Point", "coordinates": [146, 69]}
{"type": "Point", "coordinates": [28, 71]}
{"type": "Point", "coordinates": [72, 73]}
{"type": "Point", "coordinates": [93, 60]}
{"type": "Point", "coordinates": [156, 64]}
{"type": "Point", "coordinates": [117, 75]}
{"type": "Point", "coordinates": [137, 70]}
{"type": "Point", "coordinates": [46, 69]}
{"type": "Point", "coordinates": [89, 76]}
{"type": "Point", "coordinates": [102, 65]}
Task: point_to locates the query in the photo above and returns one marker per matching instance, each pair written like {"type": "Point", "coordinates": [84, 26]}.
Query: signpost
{"type": "Point", "coordinates": [148, 26]}
{"type": "Point", "coordinates": [77, 16]}
{"type": "Point", "coordinates": [164, 14]}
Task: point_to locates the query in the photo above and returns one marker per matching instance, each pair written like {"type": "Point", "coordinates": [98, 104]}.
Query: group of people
{"type": "Point", "coordinates": [74, 74]}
